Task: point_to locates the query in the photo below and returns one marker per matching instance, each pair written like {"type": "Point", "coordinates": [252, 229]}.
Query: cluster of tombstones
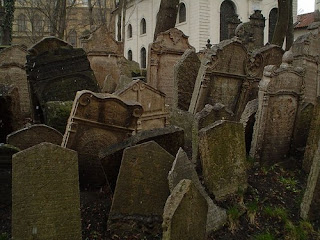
{"type": "Point", "coordinates": [205, 110]}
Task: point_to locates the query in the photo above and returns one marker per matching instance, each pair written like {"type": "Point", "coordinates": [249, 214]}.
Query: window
{"type": "Point", "coordinates": [72, 38]}
{"type": "Point", "coordinates": [130, 55]}
{"type": "Point", "coordinates": [182, 13]}
{"type": "Point", "coordinates": [129, 33]}
{"type": "Point", "coordinates": [273, 17]}
{"type": "Point", "coordinates": [227, 14]}
{"type": "Point", "coordinates": [37, 23]}
{"type": "Point", "coordinates": [143, 26]}
{"type": "Point", "coordinates": [22, 23]}
{"type": "Point", "coordinates": [143, 58]}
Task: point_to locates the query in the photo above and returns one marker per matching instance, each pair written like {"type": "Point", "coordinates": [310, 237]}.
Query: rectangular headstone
{"type": "Point", "coordinates": [185, 213]}
{"type": "Point", "coordinates": [45, 194]}
{"type": "Point", "coordinates": [141, 190]}
{"type": "Point", "coordinates": [223, 158]}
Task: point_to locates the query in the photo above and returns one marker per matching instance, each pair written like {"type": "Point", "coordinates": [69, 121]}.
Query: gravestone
{"type": "Point", "coordinates": [164, 53]}
{"type": "Point", "coordinates": [223, 158]}
{"type": "Point", "coordinates": [56, 71]}
{"type": "Point", "coordinates": [33, 135]}
{"type": "Point", "coordinates": [12, 72]}
{"type": "Point", "coordinates": [185, 74]}
{"type": "Point", "coordinates": [185, 213]}
{"type": "Point", "coordinates": [106, 59]}
{"type": "Point", "coordinates": [278, 98]}
{"type": "Point", "coordinates": [207, 116]}
{"type": "Point", "coordinates": [10, 111]}
{"type": "Point", "coordinates": [310, 206]}
{"type": "Point", "coordinates": [152, 101]}
{"type": "Point", "coordinates": [45, 193]}
{"type": "Point", "coordinates": [6, 152]}
{"type": "Point", "coordinates": [181, 169]}
{"type": "Point", "coordinates": [170, 138]}
{"type": "Point", "coordinates": [98, 120]}
{"type": "Point", "coordinates": [140, 194]}
{"type": "Point", "coordinates": [313, 138]}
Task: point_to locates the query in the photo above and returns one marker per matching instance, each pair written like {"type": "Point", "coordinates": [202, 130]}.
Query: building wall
{"type": "Point", "coordinates": [203, 21]}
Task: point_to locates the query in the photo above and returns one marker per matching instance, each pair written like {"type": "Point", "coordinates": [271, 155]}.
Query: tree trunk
{"type": "Point", "coordinates": [124, 8]}
{"type": "Point", "coordinates": [90, 8]}
{"type": "Point", "coordinates": [62, 18]}
{"type": "Point", "coordinates": [289, 36]}
{"type": "Point", "coordinates": [7, 23]}
{"type": "Point", "coordinates": [281, 28]}
{"type": "Point", "coordinates": [166, 17]}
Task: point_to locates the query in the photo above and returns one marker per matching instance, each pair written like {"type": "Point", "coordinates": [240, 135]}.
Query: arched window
{"type": "Point", "coordinates": [129, 33]}
{"type": "Point", "coordinates": [37, 23]}
{"type": "Point", "coordinates": [72, 38]}
{"type": "Point", "coordinates": [130, 55]}
{"type": "Point", "coordinates": [273, 17]}
{"type": "Point", "coordinates": [143, 26]}
{"type": "Point", "coordinates": [143, 58]}
{"type": "Point", "coordinates": [22, 23]}
{"type": "Point", "coordinates": [227, 14]}
{"type": "Point", "coordinates": [182, 13]}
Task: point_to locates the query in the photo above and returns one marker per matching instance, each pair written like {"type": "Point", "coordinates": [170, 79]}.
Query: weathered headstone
{"type": "Point", "coordinates": [98, 120]}
{"type": "Point", "coordinates": [45, 193]}
{"type": "Point", "coordinates": [185, 75]}
{"type": "Point", "coordinates": [223, 157]}
{"type": "Point", "coordinates": [152, 101]}
{"type": "Point", "coordinates": [33, 135]}
{"type": "Point", "coordinates": [170, 138]}
{"type": "Point", "coordinates": [313, 138]}
{"type": "Point", "coordinates": [310, 206]}
{"type": "Point", "coordinates": [12, 72]}
{"type": "Point", "coordinates": [106, 59]}
{"type": "Point", "coordinates": [142, 189]}
{"type": "Point", "coordinates": [164, 53]}
{"type": "Point", "coordinates": [56, 71]}
{"type": "Point", "coordinates": [181, 169]}
{"type": "Point", "coordinates": [207, 116]}
{"type": "Point", "coordinates": [278, 100]}
{"type": "Point", "coordinates": [6, 152]}
{"type": "Point", "coordinates": [185, 213]}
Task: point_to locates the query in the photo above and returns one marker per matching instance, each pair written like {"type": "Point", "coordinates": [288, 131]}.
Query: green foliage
{"type": "Point", "coordinates": [4, 236]}
{"type": "Point", "coordinates": [9, 16]}
{"type": "Point", "coordinates": [290, 183]}
{"type": "Point", "coordinates": [276, 212]}
{"type": "Point", "coordinates": [264, 236]}
{"type": "Point", "coordinates": [233, 216]}
{"type": "Point", "coordinates": [252, 211]}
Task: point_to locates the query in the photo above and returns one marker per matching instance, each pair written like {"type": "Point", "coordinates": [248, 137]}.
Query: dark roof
{"type": "Point", "coordinates": [304, 20]}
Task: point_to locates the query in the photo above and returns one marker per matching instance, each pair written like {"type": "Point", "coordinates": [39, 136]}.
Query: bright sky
{"type": "Point", "coordinates": [305, 6]}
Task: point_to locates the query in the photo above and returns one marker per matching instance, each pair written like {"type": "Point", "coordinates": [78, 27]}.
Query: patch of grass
{"type": "Point", "coordinates": [252, 211]}
{"type": "Point", "coordinates": [276, 212]}
{"type": "Point", "coordinates": [233, 216]}
{"type": "Point", "coordinates": [290, 183]}
{"type": "Point", "coordinates": [264, 236]}
{"type": "Point", "coordinates": [4, 236]}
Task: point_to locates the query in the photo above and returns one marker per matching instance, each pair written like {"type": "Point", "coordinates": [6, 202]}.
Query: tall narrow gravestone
{"type": "Point", "coordinates": [185, 213]}
{"type": "Point", "coordinates": [142, 188]}
{"type": "Point", "coordinates": [223, 156]}
{"type": "Point", "coordinates": [45, 194]}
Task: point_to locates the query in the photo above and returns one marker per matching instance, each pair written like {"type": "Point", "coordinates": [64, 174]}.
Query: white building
{"type": "Point", "coordinates": [198, 19]}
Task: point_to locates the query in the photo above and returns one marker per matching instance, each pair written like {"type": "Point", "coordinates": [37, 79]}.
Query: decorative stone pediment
{"type": "Point", "coordinates": [13, 56]}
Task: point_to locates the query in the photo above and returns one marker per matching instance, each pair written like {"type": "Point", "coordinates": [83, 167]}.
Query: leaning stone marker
{"type": "Point", "coordinates": [45, 194]}
{"type": "Point", "coordinates": [142, 188]}
{"type": "Point", "coordinates": [182, 168]}
{"type": "Point", "coordinates": [223, 156]}
{"type": "Point", "coordinates": [33, 135]}
{"type": "Point", "coordinates": [185, 213]}
{"type": "Point", "coordinates": [310, 206]}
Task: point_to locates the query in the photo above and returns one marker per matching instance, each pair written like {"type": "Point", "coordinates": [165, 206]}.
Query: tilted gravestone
{"type": "Point", "coordinates": [153, 103]}
{"type": "Point", "coordinates": [33, 135]}
{"type": "Point", "coordinates": [185, 75]}
{"type": "Point", "coordinates": [98, 120]}
{"type": "Point", "coordinates": [6, 152]}
{"type": "Point", "coordinates": [306, 53]}
{"type": "Point", "coordinates": [142, 189]}
{"type": "Point", "coordinates": [185, 213]}
{"type": "Point", "coordinates": [45, 193]}
{"type": "Point", "coordinates": [310, 206]}
{"type": "Point", "coordinates": [56, 71]}
{"type": "Point", "coordinates": [313, 138]}
{"type": "Point", "coordinates": [223, 157]}
{"type": "Point", "coordinates": [278, 99]}
{"type": "Point", "coordinates": [164, 53]}
{"type": "Point", "coordinates": [181, 169]}
{"type": "Point", "coordinates": [12, 72]}
{"type": "Point", "coordinates": [170, 138]}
